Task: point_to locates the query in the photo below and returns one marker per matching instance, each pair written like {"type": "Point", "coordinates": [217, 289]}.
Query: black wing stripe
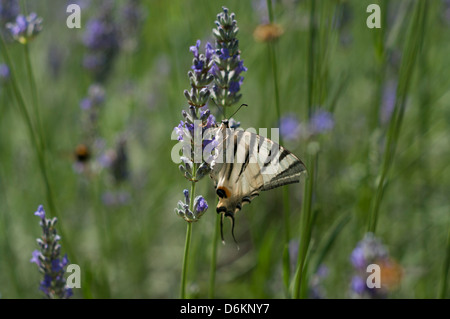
{"type": "Point", "coordinates": [244, 165]}
{"type": "Point", "coordinates": [284, 154]}
{"type": "Point", "coordinates": [231, 165]}
{"type": "Point", "coordinates": [291, 169]}
{"type": "Point", "coordinates": [268, 156]}
{"type": "Point", "coordinates": [275, 185]}
{"type": "Point", "coordinates": [230, 169]}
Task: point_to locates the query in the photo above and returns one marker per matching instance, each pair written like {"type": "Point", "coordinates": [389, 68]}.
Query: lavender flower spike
{"type": "Point", "coordinates": [48, 259]}
{"type": "Point", "coordinates": [228, 65]}
{"type": "Point", "coordinates": [25, 28]}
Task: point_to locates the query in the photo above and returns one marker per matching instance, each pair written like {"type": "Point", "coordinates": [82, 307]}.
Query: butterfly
{"type": "Point", "coordinates": [246, 164]}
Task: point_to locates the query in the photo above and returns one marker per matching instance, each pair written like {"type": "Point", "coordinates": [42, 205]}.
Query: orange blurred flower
{"type": "Point", "coordinates": [391, 273]}
{"type": "Point", "coordinates": [268, 32]}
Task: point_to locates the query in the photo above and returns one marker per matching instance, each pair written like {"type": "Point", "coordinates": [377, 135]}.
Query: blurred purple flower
{"type": "Point", "coordinates": [54, 59]}
{"type": "Point", "coordinates": [446, 11]}
{"type": "Point", "coordinates": [101, 38]}
{"type": "Point", "coordinates": [95, 98]}
{"type": "Point", "coordinates": [94, 62]}
{"type": "Point", "coordinates": [357, 258]}
{"type": "Point", "coordinates": [293, 252]}
{"type": "Point", "coordinates": [289, 127]}
{"type": "Point", "coordinates": [9, 10]}
{"type": "Point", "coordinates": [25, 28]}
{"type": "Point", "coordinates": [321, 122]}
{"type": "Point", "coordinates": [4, 72]}
{"type": "Point", "coordinates": [368, 251]}
{"type": "Point", "coordinates": [316, 290]}
{"type": "Point", "coordinates": [132, 16]}
{"type": "Point", "coordinates": [388, 101]}
{"type": "Point", "coordinates": [100, 35]}
{"type": "Point", "coordinates": [358, 284]}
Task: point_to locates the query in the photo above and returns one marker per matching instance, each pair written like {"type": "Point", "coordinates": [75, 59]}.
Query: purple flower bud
{"type": "Point", "coordinates": [224, 54]}
{"type": "Point", "coordinates": [194, 49]}
{"type": "Point", "coordinates": [186, 196]}
{"type": "Point", "coordinates": [35, 259]}
{"type": "Point", "coordinates": [209, 51]}
{"type": "Point", "coordinates": [40, 213]}
{"type": "Point", "coordinates": [56, 265]}
{"type": "Point", "coordinates": [179, 130]}
{"type": "Point", "coordinates": [200, 204]}
{"type": "Point", "coordinates": [234, 87]}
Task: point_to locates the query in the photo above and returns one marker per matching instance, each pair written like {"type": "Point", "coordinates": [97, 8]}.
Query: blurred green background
{"type": "Point", "coordinates": [134, 248]}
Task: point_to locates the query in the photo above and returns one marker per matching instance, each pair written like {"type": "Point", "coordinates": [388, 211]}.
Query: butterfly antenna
{"type": "Point", "coordinates": [238, 110]}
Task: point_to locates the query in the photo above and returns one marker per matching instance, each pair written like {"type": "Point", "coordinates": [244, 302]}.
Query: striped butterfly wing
{"type": "Point", "coordinates": [250, 163]}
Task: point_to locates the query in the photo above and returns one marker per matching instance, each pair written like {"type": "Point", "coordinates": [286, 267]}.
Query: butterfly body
{"type": "Point", "coordinates": [246, 164]}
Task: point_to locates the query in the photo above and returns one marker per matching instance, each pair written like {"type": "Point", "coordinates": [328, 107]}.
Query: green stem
{"type": "Point", "coordinates": [286, 206]}
{"type": "Point", "coordinates": [311, 54]}
{"type": "Point", "coordinates": [188, 239]}
{"type": "Point", "coordinates": [270, 10]}
{"type": "Point", "coordinates": [305, 227]}
{"type": "Point", "coordinates": [275, 78]}
{"type": "Point", "coordinates": [212, 271]}
{"type": "Point", "coordinates": [411, 50]}
{"type": "Point", "coordinates": [185, 259]}
{"type": "Point", "coordinates": [35, 97]}
{"type": "Point", "coordinates": [312, 157]}
{"type": "Point", "coordinates": [445, 269]}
